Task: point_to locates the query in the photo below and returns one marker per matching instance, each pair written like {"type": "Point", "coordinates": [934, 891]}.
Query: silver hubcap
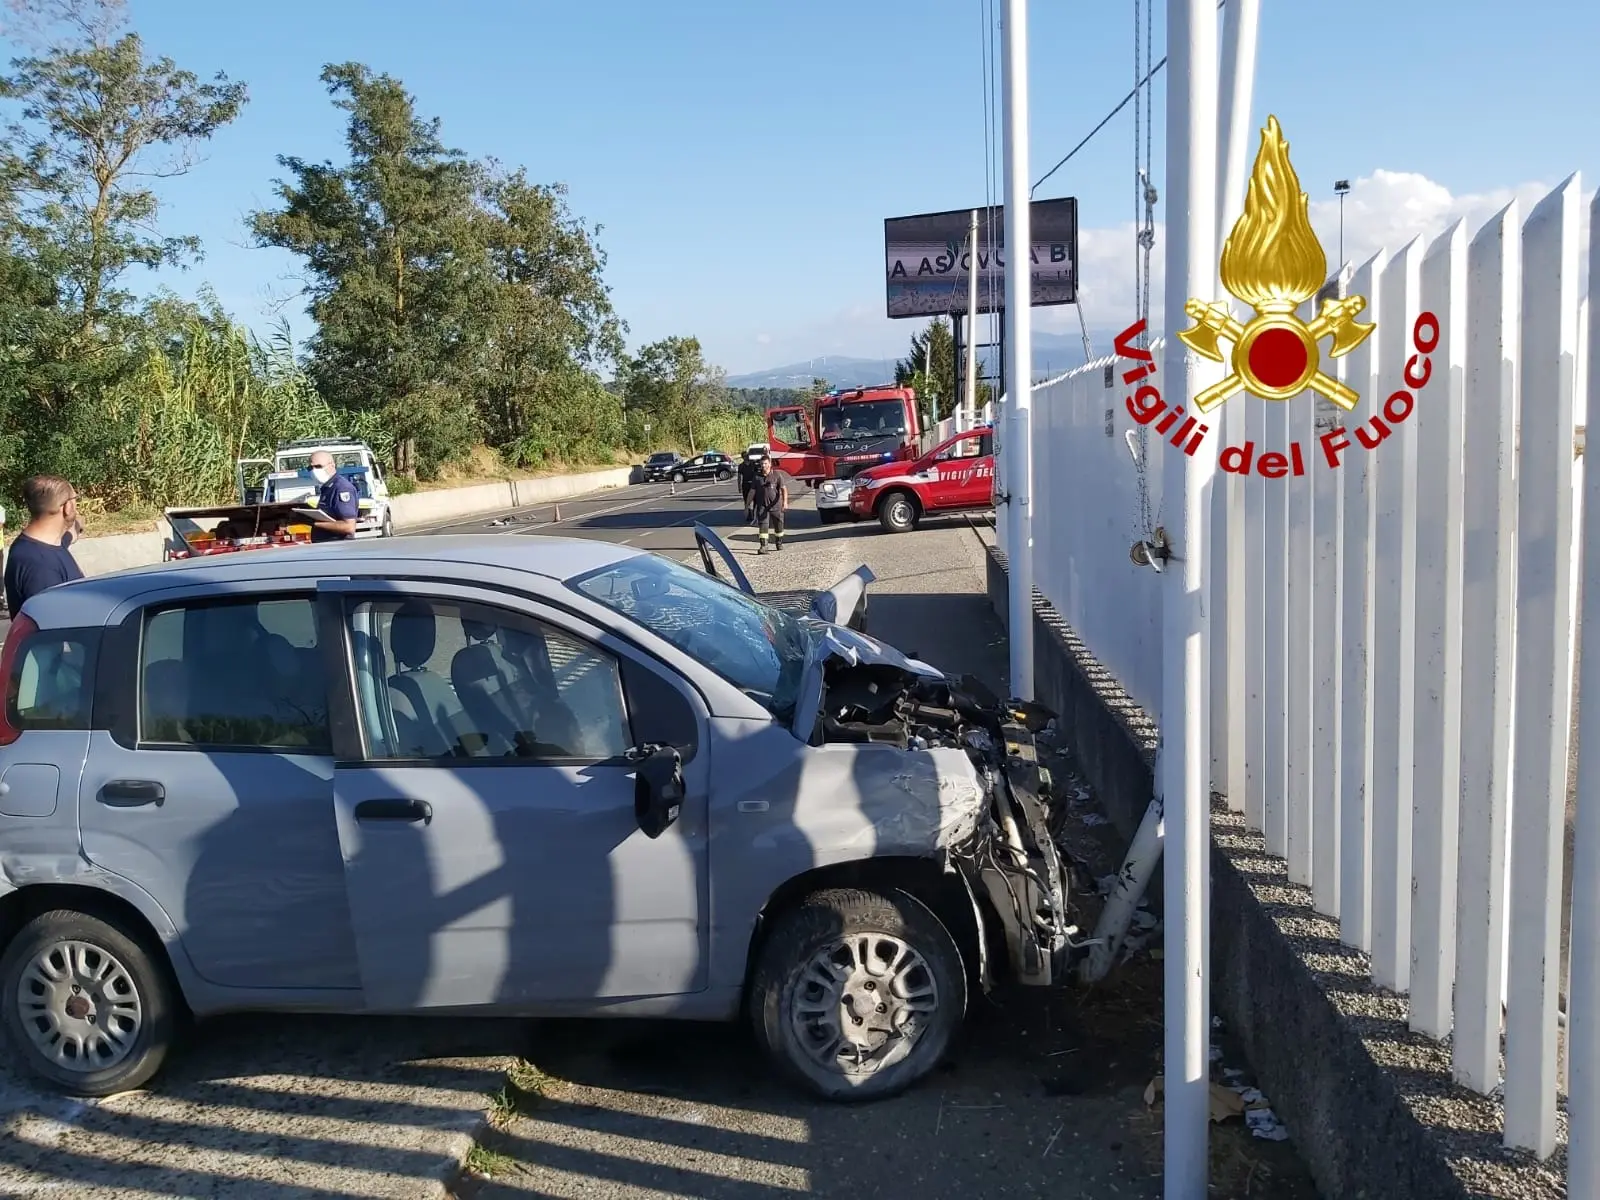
{"type": "Point", "coordinates": [899, 512]}
{"type": "Point", "coordinates": [862, 1002]}
{"type": "Point", "coordinates": [80, 1007]}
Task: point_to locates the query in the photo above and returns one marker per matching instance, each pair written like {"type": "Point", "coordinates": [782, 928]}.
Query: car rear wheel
{"type": "Point", "coordinates": [857, 995]}
{"type": "Point", "coordinates": [86, 1005]}
{"type": "Point", "coordinates": [897, 512]}
{"type": "Point", "coordinates": [723, 475]}
{"type": "Point", "coordinates": [388, 526]}
{"type": "Point", "coordinates": [829, 516]}
{"type": "Point", "coordinates": [679, 477]}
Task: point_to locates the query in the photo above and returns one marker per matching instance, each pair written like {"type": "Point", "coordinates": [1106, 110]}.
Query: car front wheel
{"type": "Point", "coordinates": [86, 1006]}
{"type": "Point", "coordinates": [679, 477]}
{"type": "Point", "coordinates": [857, 995]}
{"type": "Point", "coordinates": [897, 513]}
{"type": "Point", "coordinates": [388, 526]}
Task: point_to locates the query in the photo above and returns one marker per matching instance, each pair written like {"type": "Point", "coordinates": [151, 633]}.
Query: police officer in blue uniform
{"type": "Point", "coordinates": [337, 502]}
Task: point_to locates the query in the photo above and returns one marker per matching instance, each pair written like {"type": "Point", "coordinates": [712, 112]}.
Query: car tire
{"type": "Point", "coordinates": [897, 512]}
{"type": "Point", "coordinates": [144, 997]}
{"type": "Point", "coordinates": [804, 956]}
{"type": "Point", "coordinates": [830, 516]}
{"type": "Point", "coordinates": [724, 475]}
{"type": "Point", "coordinates": [679, 477]}
{"type": "Point", "coordinates": [388, 526]}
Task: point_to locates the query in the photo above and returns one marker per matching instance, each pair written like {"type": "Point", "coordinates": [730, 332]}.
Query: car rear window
{"type": "Point", "coordinates": [53, 684]}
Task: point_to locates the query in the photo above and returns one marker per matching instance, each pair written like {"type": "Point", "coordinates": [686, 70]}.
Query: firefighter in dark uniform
{"type": "Point", "coordinates": [749, 472]}
{"type": "Point", "coordinates": [337, 501]}
{"type": "Point", "coordinates": [771, 503]}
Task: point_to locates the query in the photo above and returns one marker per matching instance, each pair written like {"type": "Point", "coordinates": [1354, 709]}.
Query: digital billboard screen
{"type": "Point", "coordinates": [927, 260]}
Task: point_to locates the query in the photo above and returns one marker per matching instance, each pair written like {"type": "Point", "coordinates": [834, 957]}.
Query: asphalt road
{"type": "Point", "coordinates": [649, 516]}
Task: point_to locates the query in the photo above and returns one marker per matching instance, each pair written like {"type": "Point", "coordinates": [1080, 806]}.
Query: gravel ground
{"type": "Point", "coordinates": [1045, 1096]}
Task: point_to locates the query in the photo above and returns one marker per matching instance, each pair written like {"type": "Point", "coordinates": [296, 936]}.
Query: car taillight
{"type": "Point", "coordinates": [22, 628]}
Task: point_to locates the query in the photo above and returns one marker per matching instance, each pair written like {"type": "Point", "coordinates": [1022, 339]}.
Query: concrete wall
{"type": "Point", "coordinates": [100, 555]}
{"type": "Point", "coordinates": [1317, 1032]}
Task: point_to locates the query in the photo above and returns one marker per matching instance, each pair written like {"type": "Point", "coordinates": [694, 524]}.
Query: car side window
{"type": "Point", "coordinates": [52, 686]}
{"type": "Point", "coordinates": [234, 675]}
{"type": "Point", "coordinates": [450, 680]}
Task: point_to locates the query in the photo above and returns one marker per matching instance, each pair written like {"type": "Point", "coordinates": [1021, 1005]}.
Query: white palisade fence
{"type": "Point", "coordinates": [1399, 724]}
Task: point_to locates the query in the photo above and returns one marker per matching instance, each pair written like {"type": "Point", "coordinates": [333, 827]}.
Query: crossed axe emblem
{"type": "Point", "coordinates": [1275, 354]}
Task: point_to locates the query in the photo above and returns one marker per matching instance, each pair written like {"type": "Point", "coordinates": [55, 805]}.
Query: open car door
{"type": "Point", "coordinates": [845, 603]}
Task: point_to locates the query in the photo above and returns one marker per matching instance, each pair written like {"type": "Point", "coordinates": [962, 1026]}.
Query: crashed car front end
{"type": "Point", "coordinates": [970, 791]}
{"type": "Point", "coordinates": [972, 786]}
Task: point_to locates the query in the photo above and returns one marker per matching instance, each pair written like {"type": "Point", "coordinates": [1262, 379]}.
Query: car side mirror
{"type": "Point", "coordinates": [657, 787]}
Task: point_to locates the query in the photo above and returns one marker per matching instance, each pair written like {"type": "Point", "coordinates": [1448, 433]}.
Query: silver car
{"type": "Point", "coordinates": [491, 775]}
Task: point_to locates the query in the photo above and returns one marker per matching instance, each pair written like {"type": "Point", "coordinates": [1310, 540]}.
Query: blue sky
{"type": "Point", "coordinates": [741, 156]}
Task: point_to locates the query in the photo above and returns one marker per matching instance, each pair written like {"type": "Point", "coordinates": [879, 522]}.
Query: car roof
{"type": "Point", "coordinates": [87, 601]}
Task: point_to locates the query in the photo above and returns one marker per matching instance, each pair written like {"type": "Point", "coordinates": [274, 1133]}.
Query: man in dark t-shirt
{"type": "Point", "coordinates": [39, 558]}
{"type": "Point", "coordinates": [771, 495]}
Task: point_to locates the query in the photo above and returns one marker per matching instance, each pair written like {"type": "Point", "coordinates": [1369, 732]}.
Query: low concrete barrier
{"type": "Point", "coordinates": [1371, 1106]}
{"type": "Point", "coordinates": [102, 555]}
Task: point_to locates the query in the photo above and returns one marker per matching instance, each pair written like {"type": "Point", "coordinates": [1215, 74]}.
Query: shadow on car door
{"type": "Point", "coordinates": [485, 806]}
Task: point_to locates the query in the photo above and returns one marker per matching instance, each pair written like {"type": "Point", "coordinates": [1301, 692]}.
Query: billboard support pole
{"type": "Point", "coordinates": [971, 417]}
{"type": "Point", "coordinates": [1183, 766]}
{"type": "Point", "coordinates": [1019, 299]}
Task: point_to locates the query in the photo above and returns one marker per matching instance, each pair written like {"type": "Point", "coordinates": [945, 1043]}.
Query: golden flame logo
{"type": "Point", "coordinates": [1273, 262]}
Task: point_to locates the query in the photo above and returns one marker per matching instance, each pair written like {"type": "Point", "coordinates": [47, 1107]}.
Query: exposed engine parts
{"type": "Point", "coordinates": [1010, 859]}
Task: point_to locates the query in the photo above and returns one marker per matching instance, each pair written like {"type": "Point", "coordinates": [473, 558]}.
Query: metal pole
{"type": "Point", "coordinates": [1583, 987]}
{"type": "Point", "coordinates": [971, 416]}
{"type": "Point", "coordinates": [1183, 770]}
{"type": "Point", "coordinates": [1019, 278]}
{"type": "Point", "coordinates": [1230, 561]}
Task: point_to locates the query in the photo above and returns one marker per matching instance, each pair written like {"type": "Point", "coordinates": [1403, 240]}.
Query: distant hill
{"type": "Point", "coordinates": [839, 370]}
{"type": "Point", "coordinates": [1052, 352]}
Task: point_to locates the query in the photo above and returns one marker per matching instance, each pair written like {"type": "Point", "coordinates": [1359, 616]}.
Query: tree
{"type": "Point", "coordinates": [671, 381]}
{"type": "Point", "coordinates": [393, 254]}
{"type": "Point", "coordinates": [96, 117]}
{"type": "Point", "coordinates": [931, 370]}
{"type": "Point", "coordinates": [548, 324]}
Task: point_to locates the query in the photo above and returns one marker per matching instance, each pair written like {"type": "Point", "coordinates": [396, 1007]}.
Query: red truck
{"type": "Point", "coordinates": [957, 475]}
{"type": "Point", "coordinates": [853, 429]}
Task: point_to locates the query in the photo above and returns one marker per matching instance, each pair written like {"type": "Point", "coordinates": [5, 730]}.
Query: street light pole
{"type": "Point", "coordinates": [1018, 446]}
{"type": "Point", "coordinates": [1342, 188]}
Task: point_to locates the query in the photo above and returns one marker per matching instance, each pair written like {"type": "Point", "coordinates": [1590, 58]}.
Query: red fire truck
{"type": "Point", "coordinates": [853, 429]}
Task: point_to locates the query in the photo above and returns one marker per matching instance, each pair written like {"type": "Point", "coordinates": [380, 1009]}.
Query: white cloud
{"type": "Point", "coordinates": [764, 339]}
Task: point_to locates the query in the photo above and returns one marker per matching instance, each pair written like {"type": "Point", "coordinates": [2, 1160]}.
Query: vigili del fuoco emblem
{"type": "Point", "coordinates": [1273, 262]}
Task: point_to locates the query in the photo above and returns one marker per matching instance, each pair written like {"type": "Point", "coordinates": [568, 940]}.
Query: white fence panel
{"type": "Point", "coordinates": [1356, 569]}
{"type": "Point", "coordinates": [1489, 561]}
{"type": "Point", "coordinates": [1583, 1046]}
{"type": "Point", "coordinates": [1086, 513]}
{"type": "Point", "coordinates": [1394, 600]}
{"type": "Point", "coordinates": [1437, 382]}
{"type": "Point", "coordinates": [1275, 774]}
{"type": "Point", "coordinates": [1298, 632]}
{"type": "Point", "coordinates": [1543, 649]}
{"type": "Point", "coordinates": [1398, 671]}
{"type": "Point", "coordinates": [1254, 488]}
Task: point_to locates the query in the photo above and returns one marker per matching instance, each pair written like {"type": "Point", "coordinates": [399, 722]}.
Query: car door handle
{"type": "Point", "coordinates": [394, 810]}
{"type": "Point", "coordinates": [131, 793]}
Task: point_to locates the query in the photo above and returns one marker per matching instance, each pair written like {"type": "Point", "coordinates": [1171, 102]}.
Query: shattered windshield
{"type": "Point", "coordinates": [759, 649]}
{"type": "Point", "coordinates": [871, 419]}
